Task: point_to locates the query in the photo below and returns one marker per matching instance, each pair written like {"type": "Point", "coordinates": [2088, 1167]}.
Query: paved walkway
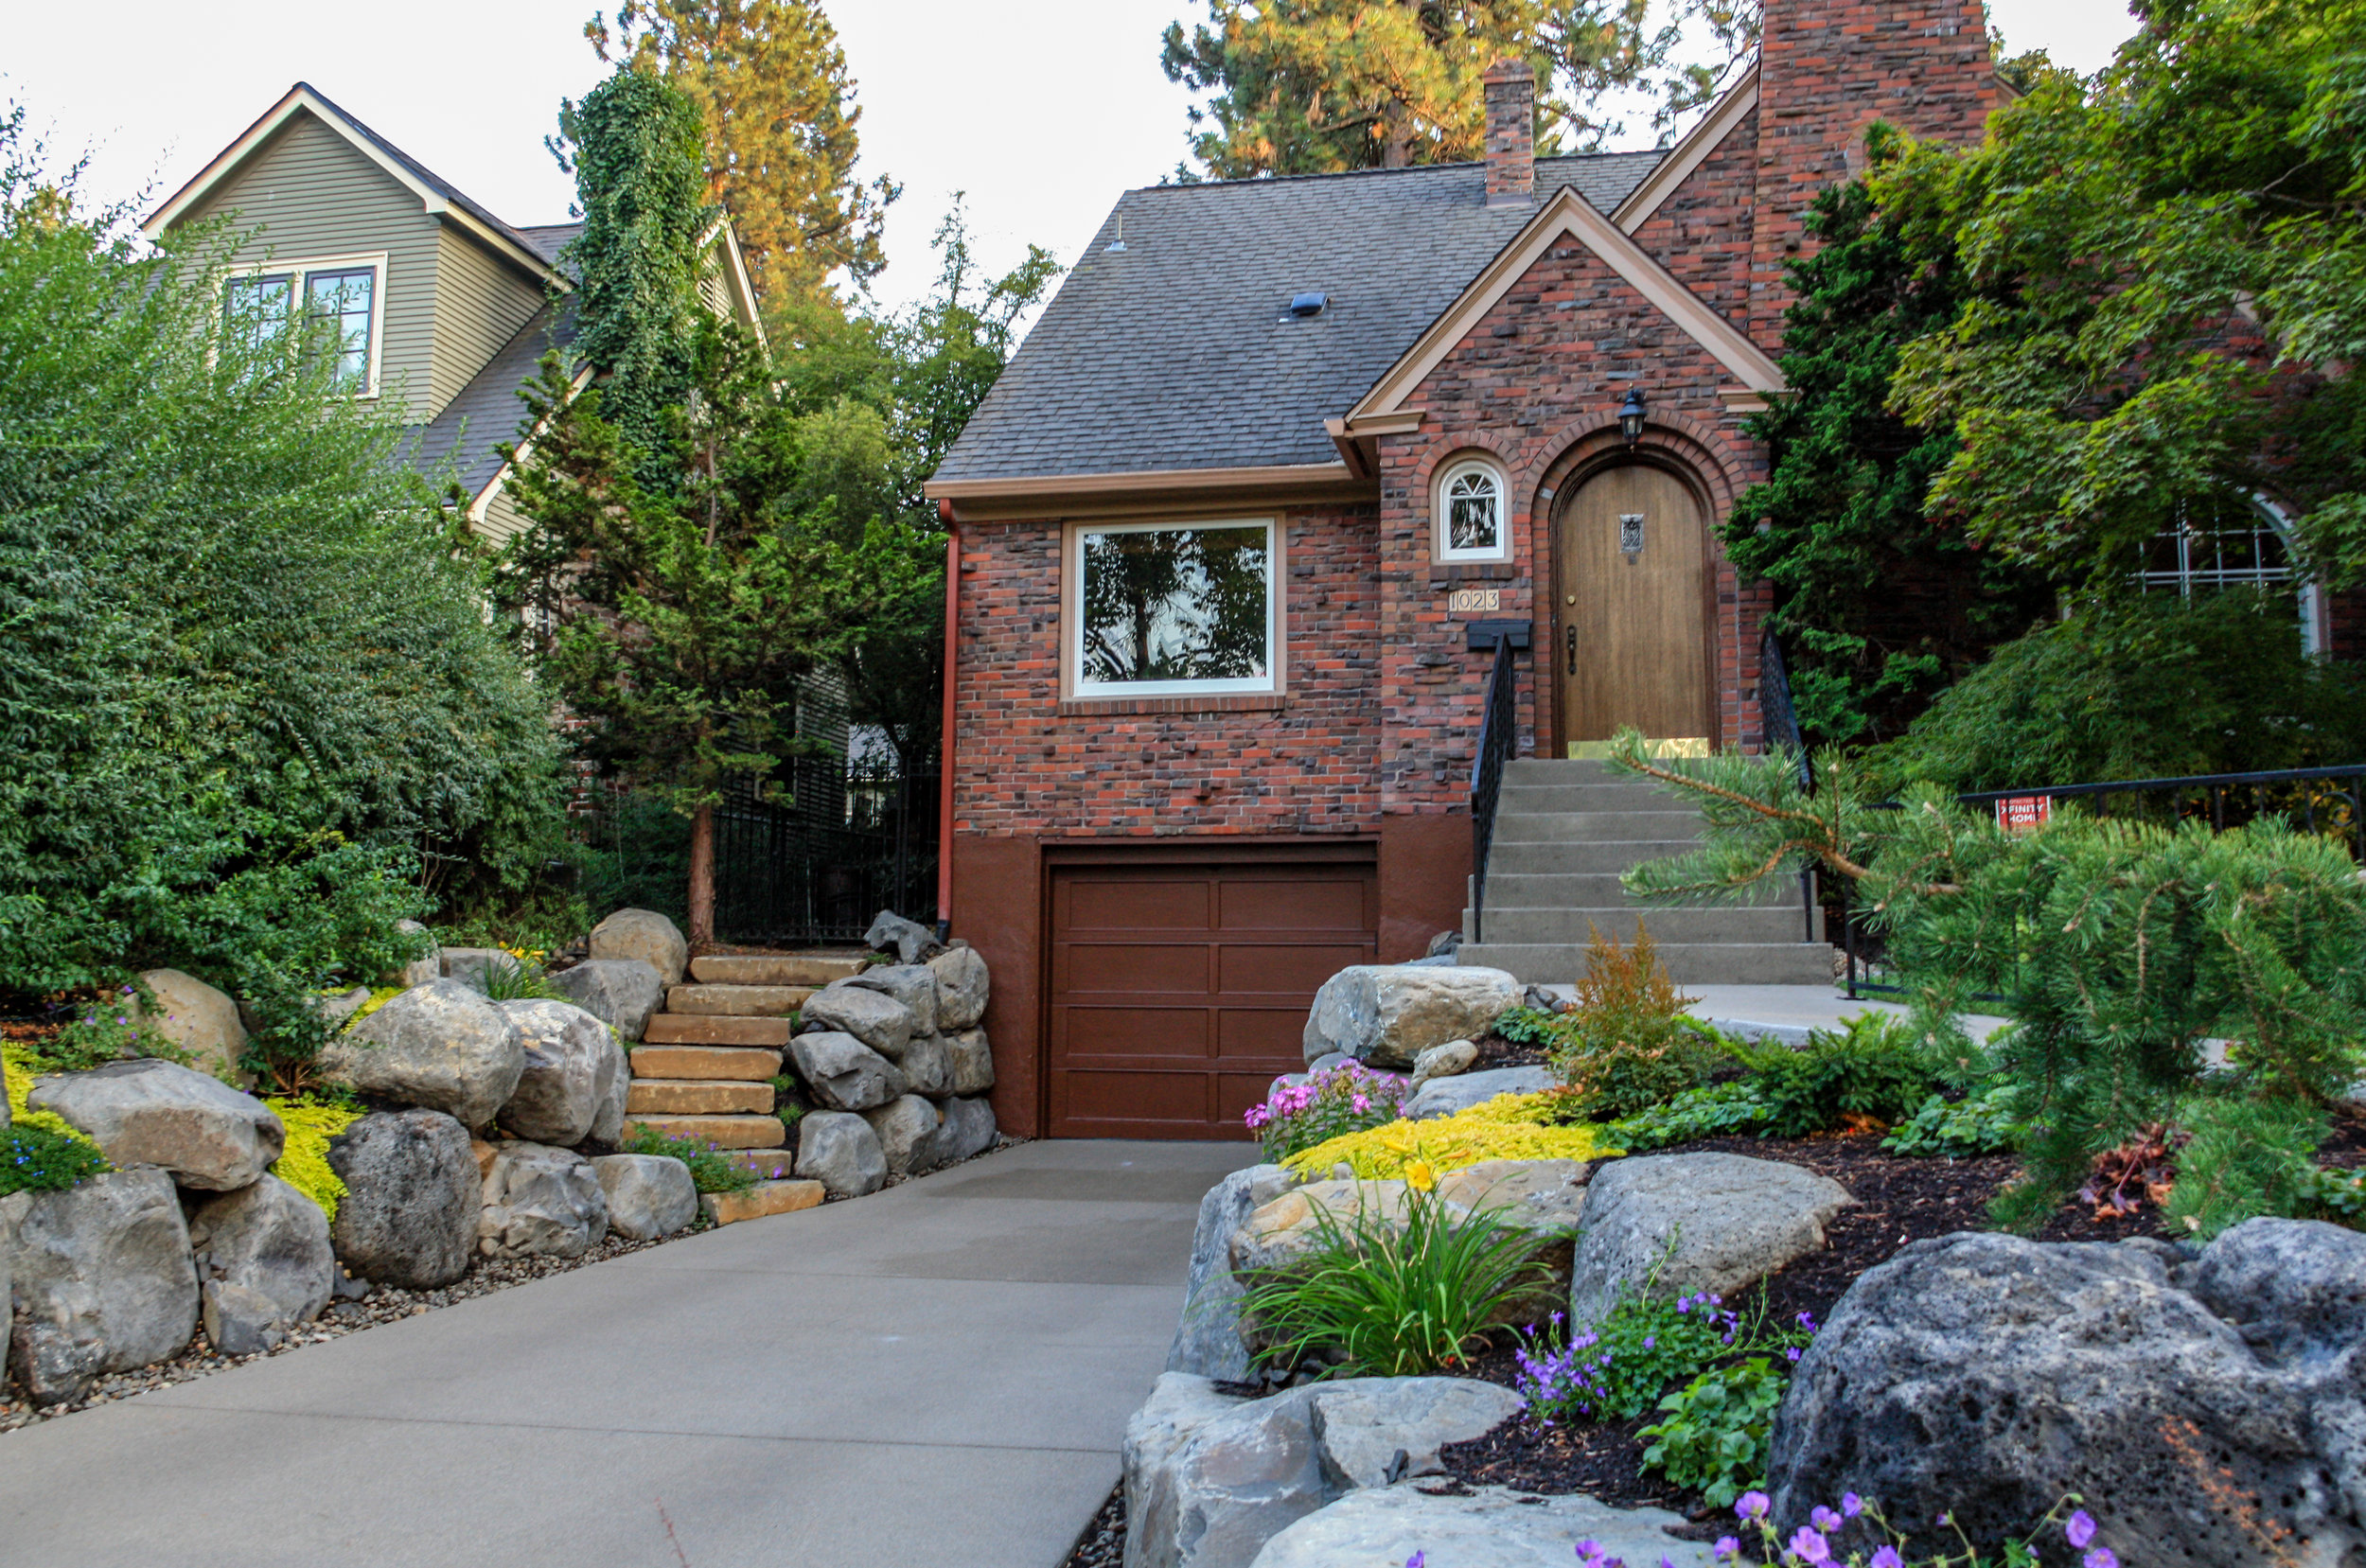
{"type": "Point", "coordinates": [1789, 1011]}
{"type": "Point", "coordinates": [934, 1376]}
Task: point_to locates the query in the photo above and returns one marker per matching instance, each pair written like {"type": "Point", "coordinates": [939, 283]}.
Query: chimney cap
{"type": "Point", "coordinates": [1510, 68]}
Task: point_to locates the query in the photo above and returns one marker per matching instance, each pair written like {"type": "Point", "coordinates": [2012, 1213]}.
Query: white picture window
{"type": "Point", "coordinates": [338, 302]}
{"type": "Point", "coordinates": [1471, 514]}
{"type": "Point", "coordinates": [1174, 608]}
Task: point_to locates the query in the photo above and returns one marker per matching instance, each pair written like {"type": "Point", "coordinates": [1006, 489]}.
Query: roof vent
{"type": "Point", "coordinates": [1309, 304]}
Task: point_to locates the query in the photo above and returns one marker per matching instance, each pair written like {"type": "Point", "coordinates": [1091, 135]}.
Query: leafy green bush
{"type": "Point", "coordinates": [1873, 1070]}
{"type": "Point", "coordinates": [1977, 1124]}
{"type": "Point", "coordinates": [1524, 1026]}
{"type": "Point", "coordinates": [709, 1167]}
{"type": "Point", "coordinates": [108, 1029]}
{"type": "Point", "coordinates": [1627, 1043]}
{"type": "Point", "coordinates": [35, 1159]}
{"type": "Point", "coordinates": [1719, 1433]}
{"type": "Point", "coordinates": [1617, 1369]}
{"type": "Point", "coordinates": [1713, 1110]}
{"type": "Point", "coordinates": [1394, 1300]}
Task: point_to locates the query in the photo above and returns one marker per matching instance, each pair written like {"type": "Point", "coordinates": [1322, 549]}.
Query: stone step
{"type": "Point", "coordinates": [691, 1029]}
{"type": "Point", "coordinates": [1637, 794]}
{"type": "Point", "coordinates": [1558, 925]}
{"type": "Point", "coordinates": [723, 1132]}
{"type": "Point", "coordinates": [1561, 770]}
{"type": "Point", "coordinates": [696, 1097]}
{"type": "Point", "coordinates": [1541, 858]}
{"type": "Point", "coordinates": [1508, 888]}
{"type": "Point", "coordinates": [773, 969]}
{"type": "Point", "coordinates": [1562, 827]}
{"type": "Point", "coordinates": [738, 1002]}
{"type": "Point", "coordinates": [736, 1063]}
{"type": "Point", "coordinates": [1712, 963]}
{"type": "Point", "coordinates": [764, 1198]}
{"type": "Point", "coordinates": [767, 1163]}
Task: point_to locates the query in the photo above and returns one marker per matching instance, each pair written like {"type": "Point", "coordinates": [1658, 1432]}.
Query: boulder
{"type": "Point", "coordinates": [1445, 1096]}
{"type": "Point", "coordinates": [874, 1017]}
{"type": "Point", "coordinates": [103, 1280]}
{"type": "Point", "coordinates": [474, 967]}
{"type": "Point", "coordinates": [199, 1020]}
{"type": "Point", "coordinates": [1387, 1016]}
{"type": "Point", "coordinates": [972, 1061]}
{"type": "Point", "coordinates": [1208, 1338]}
{"type": "Point", "coordinates": [205, 1133]}
{"type": "Point", "coordinates": [1686, 1223]}
{"type": "Point", "coordinates": [844, 1073]}
{"type": "Point", "coordinates": [646, 935]}
{"type": "Point", "coordinates": [573, 1067]}
{"type": "Point", "coordinates": [909, 941]}
{"type": "Point", "coordinates": [648, 1196]}
{"type": "Point", "coordinates": [264, 1264]}
{"type": "Point", "coordinates": [337, 1007]}
{"type": "Point", "coordinates": [428, 966]}
{"type": "Point", "coordinates": [1487, 1527]}
{"type": "Point", "coordinates": [409, 1216]}
{"type": "Point", "coordinates": [1284, 1232]}
{"type": "Point", "coordinates": [968, 1131]}
{"type": "Point", "coordinates": [1451, 1060]}
{"type": "Point", "coordinates": [621, 992]}
{"type": "Point", "coordinates": [608, 1112]}
{"type": "Point", "coordinates": [439, 1045]}
{"type": "Point", "coordinates": [913, 984]}
{"type": "Point", "coordinates": [2210, 1412]}
{"type": "Point", "coordinates": [928, 1065]}
{"type": "Point", "coordinates": [961, 989]}
{"type": "Point", "coordinates": [907, 1127]}
{"type": "Point", "coordinates": [1363, 1424]}
{"type": "Point", "coordinates": [541, 1202]}
{"type": "Point", "coordinates": [838, 1150]}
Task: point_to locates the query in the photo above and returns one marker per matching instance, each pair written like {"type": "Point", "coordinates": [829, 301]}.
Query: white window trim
{"type": "Point", "coordinates": [1072, 659]}
{"type": "Point", "coordinates": [1440, 515]}
{"type": "Point", "coordinates": [299, 266]}
{"type": "Point", "coordinates": [2316, 629]}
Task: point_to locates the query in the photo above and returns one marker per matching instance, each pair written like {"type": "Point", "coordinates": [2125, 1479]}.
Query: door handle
{"type": "Point", "coordinates": [1572, 638]}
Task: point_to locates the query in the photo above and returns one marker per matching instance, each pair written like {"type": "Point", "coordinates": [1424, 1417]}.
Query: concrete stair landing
{"type": "Point", "coordinates": [1564, 833]}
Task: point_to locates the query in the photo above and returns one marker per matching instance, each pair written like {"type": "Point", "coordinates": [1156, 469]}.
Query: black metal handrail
{"type": "Point", "coordinates": [1498, 738]}
{"type": "Point", "coordinates": [1782, 729]}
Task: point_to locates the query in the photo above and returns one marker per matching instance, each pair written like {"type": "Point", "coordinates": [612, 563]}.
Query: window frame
{"type": "Point", "coordinates": [2185, 580]}
{"type": "Point", "coordinates": [1075, 687]}
{"type": "Point", "coordinates": [1443, 548]}
{"type": "Point", "coordinates": [300, 269]}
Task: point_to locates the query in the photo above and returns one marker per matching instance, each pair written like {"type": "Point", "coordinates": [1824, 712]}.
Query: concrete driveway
{"type": "Point", "coordinates": [936, 1375]}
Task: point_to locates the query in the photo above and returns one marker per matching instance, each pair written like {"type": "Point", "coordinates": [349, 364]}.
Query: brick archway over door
{"type": "Point", "coordinates": [1178, 987]}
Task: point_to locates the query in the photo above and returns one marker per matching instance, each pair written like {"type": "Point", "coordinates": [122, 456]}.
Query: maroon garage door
{"type": "Point", "coordinates": [1178, 990]}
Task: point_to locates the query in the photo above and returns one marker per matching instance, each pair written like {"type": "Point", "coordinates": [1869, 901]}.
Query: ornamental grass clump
{"type": "Point", "coordinates": [1510, 1126]}
{"type": "Point", "coordinates": [1345, 1098]}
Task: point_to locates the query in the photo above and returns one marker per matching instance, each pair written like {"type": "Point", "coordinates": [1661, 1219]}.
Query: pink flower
{"type": "Point", "coordinates": [1750, 1505]}
{"type": "Point", "coordinates": [2100, 1557]}
{"type": "Point", "coordinates": [1728, 1546]}
{"type": "Point", "coordinates": [1886, 1557]}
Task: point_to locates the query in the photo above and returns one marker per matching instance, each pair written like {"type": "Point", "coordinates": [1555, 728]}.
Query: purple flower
{"type": "Point", "coordinates": [1851, 1504]}
{"type": "Point", "coordinates": [1793, 1353]}
{"type": "Point", "coordinates": [2081, 1529]}
{"type": "Point", "coordinates": [1887, 1556]}
{"type": "Point", "coordinates": [2100, 1557]}
{"type": "Point", "coordinates": [1751, 1505]}
{"type": "Point", "coordinates": [1417, 1559]}
{"type": "Point", "coordinates": [1810, 1546]}
{"type": "Point", "coordinates": [1728, 1546]}
{"type": "Point", "coordinates": [1825, 1520]}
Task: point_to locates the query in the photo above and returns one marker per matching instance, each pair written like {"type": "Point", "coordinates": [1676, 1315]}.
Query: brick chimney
{"type": "Point", "coordinates": [1510, 134]}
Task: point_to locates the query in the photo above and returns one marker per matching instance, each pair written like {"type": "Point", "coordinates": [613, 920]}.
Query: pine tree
{"type": "Point", "coordinates": [771, 82]}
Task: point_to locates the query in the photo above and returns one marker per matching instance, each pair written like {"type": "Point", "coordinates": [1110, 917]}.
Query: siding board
{"type": "Point", "coordinates": [481, 303]}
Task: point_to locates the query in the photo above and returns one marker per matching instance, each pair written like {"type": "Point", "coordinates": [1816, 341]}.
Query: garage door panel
{"type": "Point", "coordinates": [1271, 1035]}
{"type": "Point", "coordinates": [1181, 1098]}
{"type": "Point", "coordinates": [1137, 1031]}
{"type": "Point", "coordinates": [1125, 906]}
{"type": "Point", "coordinates": [1236, 1092]}
{"type": "Point", "coordinates": [1135, 968]}
{"type": "Point", "coordinates": [1330, 905]}
{"type": "Point", "coordinates": [1286, 971]}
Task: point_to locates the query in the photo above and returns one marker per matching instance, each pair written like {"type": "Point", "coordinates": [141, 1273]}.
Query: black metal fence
{"type": "Point", "coordinates": [1498, 738]}
{"type": "Point", "coordinates": [816, 870]}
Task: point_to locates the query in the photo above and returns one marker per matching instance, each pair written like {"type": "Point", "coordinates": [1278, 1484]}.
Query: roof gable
{"type": "Point", "coordinates": [1689, 153]}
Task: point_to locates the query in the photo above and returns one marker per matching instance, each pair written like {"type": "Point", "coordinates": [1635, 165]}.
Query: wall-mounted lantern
{"type": "Point", "coordinates": [1631, 416]}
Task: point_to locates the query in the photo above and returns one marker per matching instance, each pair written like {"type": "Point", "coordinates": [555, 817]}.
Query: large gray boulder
{"type": "Point", "coordinates": [2209, 1413]}
{"type": "Point", "coordinates": [913, 984]}
{"type": "Point", "coordinates": [200, 1020]}
{"type": "Point", "coordinates": [907, 1127]}
{"type": "Point", "coordinates": [928, 1065]}
{"type": "Point", "coordinates": [428, 966]}
{"type": "Point", "coordinates": [1686, 1223]}
{"type": "Point", "coordinates": [541, 1202]}
{"type": "Point", "coordinates": [962, 987]}
{"type": "Point", "coordinates": [838, 1150]}
{"type": "Point", "coordinates": [1209, 1479]}
{"type": "Point", "coordinates": [622, 993]}
{"type": "Point", "coordinates": [1445, 1096]}
{"type": "Point", "coordinates": [1489, 1527]}
{"type": "Point", "coordinates": [572, 1068]}
{"type": "Point", "coordinates": [874, 1017]}
{"type": "Point", "coordinates": [409, 1216]}
{"type": "Point", "coordinates": [648, 1196]}
{"type": "Point", "coordinates": [102, 1277]}
{"type": "Point", "coordinates": [646, 935]}
{"type": "Point", "coordinates": [439, 1045]}
{"type": "Point", "coordinates": [478, 967]}
{"type": "Point", "coordinates": [1387, 1016]}
{"type": "Point", "coordinates": [909, 941]}
{"type": "Point", "coordinates": [207, 1134]}
{"type": "Point", "coordinates": [844, 1073]}
{"type": "Point", "coordinates": [1208, 1338]}
{"type": "Point", "coordinates": [264, 1264]}
{"type": "Point", "coordinates": [968, 1130]}
{"type": "Point", "coordinates": [972, 1061]}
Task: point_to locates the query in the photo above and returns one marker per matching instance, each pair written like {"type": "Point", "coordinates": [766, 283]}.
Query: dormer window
{"type": "Point", "coordinates": [342, 300]}
{"type": "Point", "coordinates": [1470, 513]}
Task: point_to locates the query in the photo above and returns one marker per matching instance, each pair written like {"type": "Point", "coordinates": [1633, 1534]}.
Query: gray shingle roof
{"type": "Point", "coordinates": [487, 411]}
{"type": "Point", "coordinates": [1178, 352]}
{"type": "Point", "coordinates": [549, 239]}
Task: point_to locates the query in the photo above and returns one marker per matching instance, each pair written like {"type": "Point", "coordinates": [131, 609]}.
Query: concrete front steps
{"type": "Point", "coordinates": [705, 1064]}
{"type": "Point", "coordinates": [1564, 833]}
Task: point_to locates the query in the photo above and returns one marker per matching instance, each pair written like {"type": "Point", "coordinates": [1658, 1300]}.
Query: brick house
{"type": "Point", "coordinates": [1236, 530]}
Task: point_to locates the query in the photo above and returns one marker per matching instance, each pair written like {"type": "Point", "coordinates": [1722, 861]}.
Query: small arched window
{"type": "Point", "coordinates": [1471, 520]}
{"type": "Point", "coordinates": [2232, 542]}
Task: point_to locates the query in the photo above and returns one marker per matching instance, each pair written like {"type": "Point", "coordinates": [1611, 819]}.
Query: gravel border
{"type": "Point", "coordinates": [1102, 1544]}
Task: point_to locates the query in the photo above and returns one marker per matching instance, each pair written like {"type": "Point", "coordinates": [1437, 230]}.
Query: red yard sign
{"type": "Point", "coordinates": [2024, 812]}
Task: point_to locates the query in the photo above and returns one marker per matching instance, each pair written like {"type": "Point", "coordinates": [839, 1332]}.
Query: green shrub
{"type": "Point", "coordinates": [1873, 1070]}
{"type": "Point", "coordinates": [1617, 1369]}
{"type": "Point", "coordinates": [1977, 1124]}
{"type": "Point", "coordinates": [1713, 1110]}
{"type": "Point", "coordinates": [1719, 1433]}
{"type": "Point", "coordinates": [1389, 1301]}
{"type": "Point", "coordinates": [1627, 1043]}
{"type": "Point", "coordinates": [709, 1167]}
{"type": "Point", "coordinates": [35, 1159]}
{"type": "Point", "coordinates": [2242, 1159]}
{"type": "Point", "coordinates": [108, 1029]}
{"type": "Point", "coordinates": [1524, 1026]}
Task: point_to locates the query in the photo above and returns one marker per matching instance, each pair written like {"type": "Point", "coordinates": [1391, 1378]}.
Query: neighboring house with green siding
{"type": "Point", "coordinates": [436, 303]}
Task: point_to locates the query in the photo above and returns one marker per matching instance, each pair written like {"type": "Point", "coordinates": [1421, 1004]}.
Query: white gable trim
{"type": "Point", "coordinates": [736, 277]}
{"type": "Point", "coordinates": [1567, 214]}
{"type": "Point", "coordinates": [1689, 154]}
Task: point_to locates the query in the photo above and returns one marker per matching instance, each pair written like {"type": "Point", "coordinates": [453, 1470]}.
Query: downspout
{"type": "Point", "coordinates": [944, 750]}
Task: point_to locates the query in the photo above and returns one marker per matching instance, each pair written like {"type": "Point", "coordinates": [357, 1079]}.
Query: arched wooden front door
{"type": "Point", "coordinates": [1633, 640]}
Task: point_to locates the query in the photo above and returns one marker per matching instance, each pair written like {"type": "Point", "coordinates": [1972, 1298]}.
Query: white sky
{"type": "Point", "coordinates": [1041, 111]}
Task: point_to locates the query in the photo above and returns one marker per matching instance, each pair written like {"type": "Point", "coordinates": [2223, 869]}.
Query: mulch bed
{"type": "Point", "coordinates": [1495, 1051]}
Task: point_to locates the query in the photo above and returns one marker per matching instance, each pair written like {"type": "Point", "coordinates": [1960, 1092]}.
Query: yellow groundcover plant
{"type": "Point", "coordinates": [304, 1163]}
{"type": "Point", "coordinates": [17, 1066]}
{"type": "Point", "coordinates": [1510, 1126]}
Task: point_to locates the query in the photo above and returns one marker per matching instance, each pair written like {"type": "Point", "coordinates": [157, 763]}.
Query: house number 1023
{"type": "Point", "coordinates": [1480, 600]}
